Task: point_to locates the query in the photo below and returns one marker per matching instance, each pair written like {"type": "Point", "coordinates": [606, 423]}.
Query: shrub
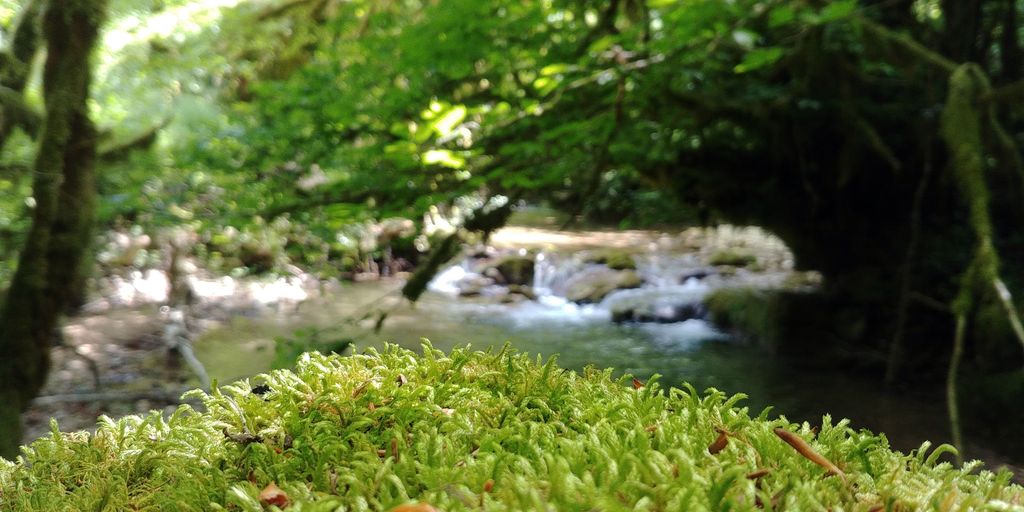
{"type": "Point", "coordinates": [476, 431]}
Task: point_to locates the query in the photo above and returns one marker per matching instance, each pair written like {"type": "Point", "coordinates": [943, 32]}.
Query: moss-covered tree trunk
{"type": "Point", "coordinates": [64, 194]}
{"type": "Point", "coordinates": [15, 61]}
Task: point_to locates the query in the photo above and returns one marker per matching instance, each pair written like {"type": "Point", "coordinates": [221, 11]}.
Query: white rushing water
{"type": "Point", "coordinates": [662, 294]}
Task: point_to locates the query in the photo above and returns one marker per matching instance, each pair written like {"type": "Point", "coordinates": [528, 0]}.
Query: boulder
{"type": "Point", "coordinates": [595, 283]}
{"type": "Point", "coordinates": [732, 258]}
{"type": "Point", "coordinates": [658, 305]}
{"type": "Point", "coordinates": [522, 291]}
{"type": "Point", "coordinates": [614, 259]}
{"type": "Point", "coordinates": [511, 270]}
{"type": "Point", "coordinates": [697, 273]}
{"type": "Point", "coordinates": [473, 285]}
{"type": "Point", "coordinates": [655, 312]}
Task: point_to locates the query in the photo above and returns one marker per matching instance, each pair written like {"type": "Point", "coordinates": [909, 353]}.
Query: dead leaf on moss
{"type": "Point", "coordinates": [719, 443]}
{"type": "Point", "coordinates": [273, 495]}
{"type": "Point", "coordinates": [414, 507]}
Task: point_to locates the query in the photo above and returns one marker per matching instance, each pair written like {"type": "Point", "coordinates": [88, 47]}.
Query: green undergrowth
{"type": "Point", "coordinates": [477, 431]}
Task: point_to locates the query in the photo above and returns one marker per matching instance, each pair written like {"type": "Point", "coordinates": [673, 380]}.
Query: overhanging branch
{"type": "Point", "coordinates": [1006, 94]}
{"type": "Point", "coordinates": [18, 113]}
{"type": "Point", "coordinates": [908, 45]}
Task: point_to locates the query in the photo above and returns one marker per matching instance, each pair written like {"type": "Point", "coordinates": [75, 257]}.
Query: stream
{"type": "Point", "coordinates": [690, 350]}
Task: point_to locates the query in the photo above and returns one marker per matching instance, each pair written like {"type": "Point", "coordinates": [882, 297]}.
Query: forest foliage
{"type": "Point", "coordinates": [335, 113]}
{"type": "Point", "coordinates": [297, 124]}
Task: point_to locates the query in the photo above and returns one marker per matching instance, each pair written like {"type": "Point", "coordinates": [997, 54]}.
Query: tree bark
{"type": "Point", "coordinates": [14, 69]}
{"type": "Point", "coordinates": [64, 192]}
{"type": "Point", "coordinates": [962, 25]}
{"type": "Point", "coordinates": [1010, 52]}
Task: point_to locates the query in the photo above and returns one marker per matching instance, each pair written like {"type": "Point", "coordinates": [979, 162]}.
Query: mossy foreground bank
{"type": "Point", "coordinates": [479, 431]}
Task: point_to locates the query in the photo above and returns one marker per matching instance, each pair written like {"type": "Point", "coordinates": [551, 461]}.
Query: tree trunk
{"type": "Point", "coordinates": [14, 67]}
{"type": "Point", "coordinates": [64, 194]}
{"type": "Point", "coordinates": [1009, 45]}
{"type": "Point", "coordinates": [963, 20]}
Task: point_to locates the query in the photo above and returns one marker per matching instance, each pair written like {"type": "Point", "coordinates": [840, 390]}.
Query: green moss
{"type": "Point", "coordinates": [474, 431]}
{"type": "Point", "coordinates": [515, 269]}
{"type": "Point", "coordinates": [732, 257]}
{"type": "Point", "coordinates": [747, 310]}
{"type": "Point", "coordinates": [793, 321]}
{"type": "Point", "coordinates": [615, 259]}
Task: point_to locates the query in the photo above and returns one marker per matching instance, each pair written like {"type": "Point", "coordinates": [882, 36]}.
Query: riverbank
{"type": "Point", "coordinates": [236, 322]}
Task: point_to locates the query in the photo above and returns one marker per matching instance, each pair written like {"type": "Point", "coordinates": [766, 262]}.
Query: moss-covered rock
{"type": "Point", "coordinates": [732, 258]}
{"type": "Point", "coordinates": [655, 305]}
{"type": "Point", "coordinates": [509, 269]}
{"type": "Point", "coordinates": [525, 292]}
{"type": "Point", "coordinates": [615, 259]}
{"type": "Point", "coordinates": [791, 321]}
{"type": "Point", "coordinates": [512, 270]}
{"type": "Point", "coordinates": [656, 313]}
{"type": "Point", "coordinates": [745, 310]}
{"type": "Point", "coordinates": [594, 284]}
{"type": "Point", "coordinates": [477, 431]}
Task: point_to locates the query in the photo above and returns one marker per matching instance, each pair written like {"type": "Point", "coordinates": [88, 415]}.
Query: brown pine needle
{"type": "Point", "coordinates": [805, 449]}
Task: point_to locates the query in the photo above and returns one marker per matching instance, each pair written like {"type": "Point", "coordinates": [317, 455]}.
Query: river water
{"type": "Point", "coordinates": [692, 350]}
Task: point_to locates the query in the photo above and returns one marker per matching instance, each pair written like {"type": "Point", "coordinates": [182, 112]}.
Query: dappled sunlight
{"type": "Point", "coordinates": [151, 287]}
{"type": "Point", "coordinates": [177, 22]}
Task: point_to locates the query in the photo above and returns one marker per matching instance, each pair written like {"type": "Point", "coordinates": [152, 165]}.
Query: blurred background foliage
{"type": "Point", "coordinates": [333, 113]}
{"type": "Point", "coordinates": [298, 126]}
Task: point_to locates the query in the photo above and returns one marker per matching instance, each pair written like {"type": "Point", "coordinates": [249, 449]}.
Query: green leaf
{"type": "Point", "coordinates": [553, 69]}
{"type": "Point", "coordinates": [444, 158]}
{"type": "Point", "coordinates": [759, 58]}
{"type": "Point", "coordinates": [602, 44]}
{"type": "Point", "coordinates": [837, 10]}
{"type": "Point", "coordinates": [545, 85]}
{"type": "Point", "coordinates": [447, 122]}
{"type": "Point", "coordinates": [781, 15]}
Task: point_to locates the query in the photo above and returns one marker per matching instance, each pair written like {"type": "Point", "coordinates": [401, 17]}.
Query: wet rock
{"type": "Point", "coordinates": [511, 270]}
{"type": "Point", "coordinates": [697, 273]}
{"type": "Point", "coordinates": [525, 292]}
{"type": "Point", "coordinates": [612, 258]}
{"type": "Point", "coordinates": [512, 298]}
{"type": "Point", "coordinates": [595, 283]}
{"type": "Point", "coordinates": [658, 313]}
{"type": "Point", "coordinates": [658, 305]}
{"type": "Point", "coordinates": [473, 285]}
{"type": "Point", "coordinates": [732, 258]}
{"type": "Point", "coordinates": [482, 253]}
